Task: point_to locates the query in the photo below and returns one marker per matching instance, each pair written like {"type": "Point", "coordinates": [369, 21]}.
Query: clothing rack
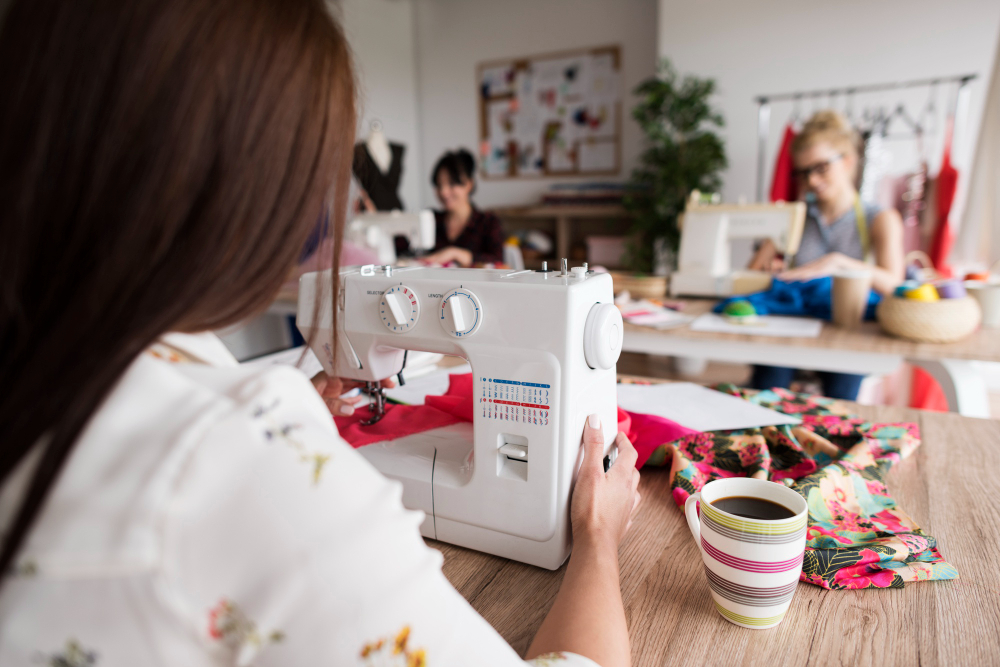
{"type": "Point", "coordinates": [764, 107]}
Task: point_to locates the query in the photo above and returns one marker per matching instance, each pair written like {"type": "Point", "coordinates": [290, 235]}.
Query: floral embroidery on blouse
{"type": "Point", "coordinates": [168, 354]}
{"type": "Point", "coordinates": [72, 655]}
{"type": "Point", "coordinates": [283, 432]}
{"type": "Point", "coordinates": [394, 652]}
{"type": "Point", "coordinates": [548, 659]}
{"type": "Point", "coordinates": [230, 625]}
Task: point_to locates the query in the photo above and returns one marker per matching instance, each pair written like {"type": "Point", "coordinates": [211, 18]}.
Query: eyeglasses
{"type": "Point", "coordinates": [820, 168]}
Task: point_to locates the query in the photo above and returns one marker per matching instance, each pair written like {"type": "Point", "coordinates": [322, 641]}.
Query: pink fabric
{"type": "Point", "coordinates": [646, 432]}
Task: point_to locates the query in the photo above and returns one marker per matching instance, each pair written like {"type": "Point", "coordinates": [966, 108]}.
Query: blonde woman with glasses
{"type": "Point", "coordinates": [841, 232]}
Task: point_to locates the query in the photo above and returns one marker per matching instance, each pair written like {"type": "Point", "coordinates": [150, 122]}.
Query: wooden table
{"type": "Point", "coordinates": [563, 215]}
{"type": "Point", "coordinates": [951, 488]}
{"type": "Point", "coordinates": [865, 351]}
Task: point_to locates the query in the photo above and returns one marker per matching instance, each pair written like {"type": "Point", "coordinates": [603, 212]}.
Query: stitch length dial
{"type": "Point", "coordinates": [399, 309]}
{"type": "Point", "coordinates": [461, 313]}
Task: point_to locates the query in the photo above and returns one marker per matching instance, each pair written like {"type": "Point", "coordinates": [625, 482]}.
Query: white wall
{"type": "Point", "coordinates": [454, 35]}
{"type": "Point", "coordinates": [381, 34]}
{"type": "Point", "coordinates": [772, 46]}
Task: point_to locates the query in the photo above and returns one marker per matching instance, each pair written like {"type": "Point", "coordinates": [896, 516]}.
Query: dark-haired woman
{"type": "Point", "coordinates": [465, 234]}
{"type": "Point", "coordinates": [159, 503]}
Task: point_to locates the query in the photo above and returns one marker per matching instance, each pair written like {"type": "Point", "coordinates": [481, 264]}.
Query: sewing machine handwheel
{"type": "Point", "coordinates": [602, 336]}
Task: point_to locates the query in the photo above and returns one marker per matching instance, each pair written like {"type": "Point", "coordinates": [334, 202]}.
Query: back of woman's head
{"type": "Point", "coordinates": [828, 126]}
{"type": "Point", "coordinates": [459, 165]}
{"type": "Point", "coordinates": [161, 165]}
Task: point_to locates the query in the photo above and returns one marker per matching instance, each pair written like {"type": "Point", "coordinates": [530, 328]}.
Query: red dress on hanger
{"type": "Point", "coordinates": [947, 183]}
{"type": "Point", "coordinates": [783, 184]}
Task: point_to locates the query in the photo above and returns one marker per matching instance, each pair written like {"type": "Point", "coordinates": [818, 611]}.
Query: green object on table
{"type": "Point", "coordinates": [741, 310]}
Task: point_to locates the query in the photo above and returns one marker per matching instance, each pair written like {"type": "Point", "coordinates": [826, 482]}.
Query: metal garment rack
{"type": "Point", "coordinates": [961, 106]}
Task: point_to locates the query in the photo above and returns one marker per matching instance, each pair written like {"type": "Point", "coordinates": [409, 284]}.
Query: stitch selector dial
{"type": "Point", "coordinates": [399, 309]}
{"type": "Point", "coordinates": [461, 313]}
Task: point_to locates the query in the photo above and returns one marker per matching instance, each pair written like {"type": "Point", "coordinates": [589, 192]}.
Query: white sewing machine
{"type": "Point", "coordinates": [543, 348]}
{"type": "Point", "coordinates": [378, 231]}
{"type": "Point", "coordinates": [704, 264]}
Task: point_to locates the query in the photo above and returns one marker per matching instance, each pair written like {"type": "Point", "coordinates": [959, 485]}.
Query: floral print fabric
{"type": "Point", "coordinates": [858, 537]}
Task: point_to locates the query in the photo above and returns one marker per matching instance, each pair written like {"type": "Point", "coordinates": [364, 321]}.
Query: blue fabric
{"type": "Point", "coordinates": [810, 299]}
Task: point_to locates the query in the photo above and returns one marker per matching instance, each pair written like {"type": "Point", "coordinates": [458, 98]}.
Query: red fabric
{"type": "Point", "coordinates": [926, 393]}
{"type": "Point", "coordinates": [403, 420]}
{"type": "Point", "coordinates": [784, 187]}
{"type": "Point", "coordinates": [946, 183]}
{"type": "Point", "coordinates": [646, 432]}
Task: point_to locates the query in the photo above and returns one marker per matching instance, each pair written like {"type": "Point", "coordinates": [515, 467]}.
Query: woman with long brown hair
{"type": "Point", "coordinates": [162, 164]}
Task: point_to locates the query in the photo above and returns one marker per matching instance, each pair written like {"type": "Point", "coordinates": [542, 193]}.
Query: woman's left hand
{"type": "Point", "coordinates": [824, 266]}
{"type": "Point", "coordinates": [452, 253]}
{"type": "Point", "coordinates": [332, 391]}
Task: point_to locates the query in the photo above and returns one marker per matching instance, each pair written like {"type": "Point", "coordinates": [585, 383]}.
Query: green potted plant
{"type": "Point", "coordinates": [684, 154]}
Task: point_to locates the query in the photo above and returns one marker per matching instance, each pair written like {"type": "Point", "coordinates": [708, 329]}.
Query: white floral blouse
{"type": "Point", "coordinates": [211, 515]}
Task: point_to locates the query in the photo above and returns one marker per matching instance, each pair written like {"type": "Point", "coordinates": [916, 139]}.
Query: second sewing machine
{"type": "Point", "coordinates": [543, 347]}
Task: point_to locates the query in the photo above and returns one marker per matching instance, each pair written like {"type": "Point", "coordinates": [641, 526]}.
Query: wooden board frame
{"type": "Point", "coordinates": [522, 63]}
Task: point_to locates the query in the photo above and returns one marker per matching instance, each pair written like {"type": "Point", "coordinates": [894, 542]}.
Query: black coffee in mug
{"type": "Point", "coordinates": [753, 508]}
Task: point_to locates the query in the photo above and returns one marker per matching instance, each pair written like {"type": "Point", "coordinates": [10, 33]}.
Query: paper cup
{"type": "Point", "coordinates": [988, 296]}
{"type": "Point", "coordinates": [849, 298]}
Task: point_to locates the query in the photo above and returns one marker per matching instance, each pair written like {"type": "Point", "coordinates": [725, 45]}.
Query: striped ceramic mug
{"type": "Point", "coordinates": [752, 565]}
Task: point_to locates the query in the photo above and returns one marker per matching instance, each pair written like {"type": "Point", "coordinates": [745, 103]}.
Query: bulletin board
{"type": "Point", "coordinates": [557, 114]}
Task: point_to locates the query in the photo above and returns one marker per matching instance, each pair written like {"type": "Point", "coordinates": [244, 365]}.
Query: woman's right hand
{"type": "Point", "coordinates": [604, 503]}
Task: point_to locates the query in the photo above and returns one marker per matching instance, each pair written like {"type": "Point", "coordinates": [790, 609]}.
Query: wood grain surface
{"type": "Point", "coordinates": [951, 488]}
{"type": "Point", "coordinates": [983, 345]}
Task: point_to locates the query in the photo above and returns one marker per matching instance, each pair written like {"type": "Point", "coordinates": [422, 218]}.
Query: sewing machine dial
{"type": "Point", "coordinates": [461, 313]}
{"type": "Point", "coordinates": [399, 309]}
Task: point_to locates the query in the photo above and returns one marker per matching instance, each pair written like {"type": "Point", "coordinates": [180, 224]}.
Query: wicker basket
{"type": "Point", "coordinates": [640, 287]}
{"type": "Point", "coordinates": [941, 321]}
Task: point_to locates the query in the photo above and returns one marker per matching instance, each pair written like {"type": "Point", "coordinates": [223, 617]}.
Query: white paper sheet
{"type": "Point", "coordinates": [697, 407]}
{"type": "Point", "coordinates": [648, 314]}
{"type": "Point", "coordinates": [664, 319]}
{"type": "Point", "coordinates": [766, 325]}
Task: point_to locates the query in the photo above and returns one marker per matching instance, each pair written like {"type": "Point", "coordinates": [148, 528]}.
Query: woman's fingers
{"type": "Point", "coordinates": [593, 443]}
{"type": "Point", "coordinates": [319, 381]}
{"type": "Point", "coordinates": [627, 456]}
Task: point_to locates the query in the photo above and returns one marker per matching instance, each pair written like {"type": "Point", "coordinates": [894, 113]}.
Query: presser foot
{"type": "Point", "coordinates": [377, 405]}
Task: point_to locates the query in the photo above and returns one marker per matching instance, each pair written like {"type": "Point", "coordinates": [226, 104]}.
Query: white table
{"type": "Point", "coordinates": [865, 351]}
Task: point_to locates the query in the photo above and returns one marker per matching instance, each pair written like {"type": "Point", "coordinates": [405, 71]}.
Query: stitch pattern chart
{"type": "Point", "coordinates": [515, 401]}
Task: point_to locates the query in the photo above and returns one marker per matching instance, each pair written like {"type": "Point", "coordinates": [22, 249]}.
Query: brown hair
{"type": "Point", "coordinates": [161, 165]}
{"type": "Point", "coordinates": [831, 127]}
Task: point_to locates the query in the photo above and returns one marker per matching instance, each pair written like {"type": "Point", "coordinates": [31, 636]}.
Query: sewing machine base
{"type": "Point", "coordinates": [441, 458]}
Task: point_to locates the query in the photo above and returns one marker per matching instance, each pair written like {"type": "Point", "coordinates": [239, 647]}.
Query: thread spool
{"type": "Point", "coordinates": [925, 292]}
{"type": "Point", "coordinates": [951, 289]}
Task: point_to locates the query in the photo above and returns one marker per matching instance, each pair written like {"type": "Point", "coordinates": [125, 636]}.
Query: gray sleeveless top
{"type": "Point", "coordinates": [841, 236]}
